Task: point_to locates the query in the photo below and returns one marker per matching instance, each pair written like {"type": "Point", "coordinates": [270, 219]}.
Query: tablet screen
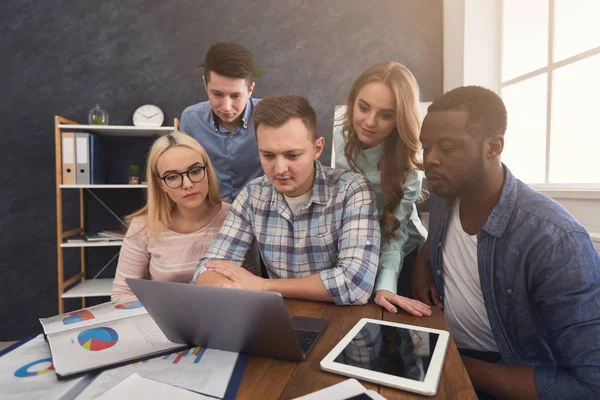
{"type": "Point", "coordinates": [390, 350]}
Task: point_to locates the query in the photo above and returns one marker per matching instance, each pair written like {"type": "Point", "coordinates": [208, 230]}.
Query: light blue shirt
{"type": "Point", "coordinates": [234, 155]}
{"type": "Point", "coordinates": [411, 232]}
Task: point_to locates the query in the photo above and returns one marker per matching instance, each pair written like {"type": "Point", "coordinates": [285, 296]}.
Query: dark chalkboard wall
{"type": "Point", "coordinates": [63, 57]}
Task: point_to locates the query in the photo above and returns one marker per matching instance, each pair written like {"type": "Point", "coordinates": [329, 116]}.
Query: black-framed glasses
{"type": "Point", "coordinates": [174, 180]}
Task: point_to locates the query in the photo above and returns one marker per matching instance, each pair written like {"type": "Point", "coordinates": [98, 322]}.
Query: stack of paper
{"type": "Point", "coordinates": [138, 387]}
{"type": "Point", "coordinates": [346, 390]}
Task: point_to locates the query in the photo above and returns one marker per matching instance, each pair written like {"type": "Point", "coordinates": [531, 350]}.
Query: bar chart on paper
{"type": "Point", "coordinates": [201, 370]}
{"type": "Point", "coordinates": [175, 358]}
{"type": "Point", "coordinates": [196, 353]}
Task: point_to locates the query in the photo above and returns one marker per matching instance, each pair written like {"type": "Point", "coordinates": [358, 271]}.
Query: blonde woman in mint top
{"type": "Point", "coordinates": [183, 214]}
{"type": "Point", "coordinates": [379, 137]}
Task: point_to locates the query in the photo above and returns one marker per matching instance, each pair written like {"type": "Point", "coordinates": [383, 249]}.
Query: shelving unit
{"type": "Point", "coordinates": [119, 186]}
{"type": "Point", "coordinates": [78, 286]}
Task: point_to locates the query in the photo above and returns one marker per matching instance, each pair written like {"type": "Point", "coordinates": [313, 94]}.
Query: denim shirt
{"type": "Point", "coordinates": [234, 155]}
{"type": "Point", "coordinates": [540, 280]}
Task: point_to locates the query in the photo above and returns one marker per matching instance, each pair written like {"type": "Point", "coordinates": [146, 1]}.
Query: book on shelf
{"type": "Point", "coordinates": [101, 237]}
{"type": "Point", "coordinates": [101, 336]}
{"type": "Point", "coordinates": [119, 234]}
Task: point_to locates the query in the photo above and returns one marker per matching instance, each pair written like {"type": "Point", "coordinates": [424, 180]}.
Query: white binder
{"type": "Point", "coordinates": [68, 159]}
{"type": "Point", "coordinates": [82, 145]}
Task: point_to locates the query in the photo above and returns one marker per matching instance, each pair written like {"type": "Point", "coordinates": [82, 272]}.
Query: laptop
{"type": "Point", "coordinates": [242, 321]}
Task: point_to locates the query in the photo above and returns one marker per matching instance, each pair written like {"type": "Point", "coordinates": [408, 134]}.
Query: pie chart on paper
{"type": "Point", "coordinates": [78, 316]}
{"type": "Point", "coordinates": [130, 305]}
{"type": "Point", "coordinates": [98, 339]}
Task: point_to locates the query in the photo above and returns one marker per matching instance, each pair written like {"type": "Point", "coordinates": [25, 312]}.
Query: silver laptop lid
{"type": "Point", "coordinates": [245, 321]}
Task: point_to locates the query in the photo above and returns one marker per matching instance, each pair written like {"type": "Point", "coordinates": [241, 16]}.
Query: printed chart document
{"type": "Point", "coordinates": [138, 387]}
{"type": "Point", "coordinates": [198, 369]}
{"type": "Point", "coordinates": [28, 373]}
{"type": "Point", "coordinates": [102, 336]}
{"type": "Point", "coordinates": [105, 312]}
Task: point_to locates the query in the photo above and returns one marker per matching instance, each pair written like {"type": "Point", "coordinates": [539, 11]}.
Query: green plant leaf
{"type": "Point", "coordinates": [133, 170]}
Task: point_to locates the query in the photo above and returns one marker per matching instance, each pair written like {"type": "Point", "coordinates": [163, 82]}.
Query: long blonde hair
{"type": "Point", "coordinates": [159, 205]}
{"type": "Point", "coordinates": [401, 147]}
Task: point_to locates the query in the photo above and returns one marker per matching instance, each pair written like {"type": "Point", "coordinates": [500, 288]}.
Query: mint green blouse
{"type": "Point", "coordinates": [411, 232]}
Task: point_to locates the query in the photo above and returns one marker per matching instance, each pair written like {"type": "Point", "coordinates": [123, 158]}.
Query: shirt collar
{"type": "Point", "coordinates": [373, 154]}
{"type": "Point", "coordinates": [245, 118]}
{"type": "Point", "coordinates": [498, 220]}
{"type": "Point", "coordinates": [320, 189]}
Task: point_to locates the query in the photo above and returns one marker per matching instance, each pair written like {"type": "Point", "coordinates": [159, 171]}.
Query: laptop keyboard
{"type": "Point", "coordinates": [305, 339]}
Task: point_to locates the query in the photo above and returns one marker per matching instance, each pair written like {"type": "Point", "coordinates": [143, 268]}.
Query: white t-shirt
{"type": "Point", "coordinates": [464, 308]}
{"type": "Point", "coordinates": [296, 203]}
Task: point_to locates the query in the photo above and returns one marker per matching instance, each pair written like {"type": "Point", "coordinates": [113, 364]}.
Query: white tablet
{"type": "Point", "coordinates": [402, 356]}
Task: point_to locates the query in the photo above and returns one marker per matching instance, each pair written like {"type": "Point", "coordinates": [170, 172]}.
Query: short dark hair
{"type": "Point", "coordinates": [231, 60]}
{"type": "Point", "coordinates": [485, 108]}
{"type": "Point", "coordinates": [274, 111]}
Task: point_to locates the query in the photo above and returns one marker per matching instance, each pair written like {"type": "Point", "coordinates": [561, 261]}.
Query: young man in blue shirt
{"type": "Point", "coordinates": [223, 124]}
{"type": "Point", "coordinates": [518, 277]}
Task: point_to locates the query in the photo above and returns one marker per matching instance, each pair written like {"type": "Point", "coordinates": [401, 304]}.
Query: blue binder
{"type": "Point", "coordinates": [97, 170]}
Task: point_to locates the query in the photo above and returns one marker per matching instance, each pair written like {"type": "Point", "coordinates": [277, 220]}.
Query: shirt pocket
{"type": "Point", "coordinates": [321, 250]}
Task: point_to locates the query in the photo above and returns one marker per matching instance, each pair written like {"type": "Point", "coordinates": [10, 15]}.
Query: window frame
{"type": "Point", "coordinates": [570, 190]}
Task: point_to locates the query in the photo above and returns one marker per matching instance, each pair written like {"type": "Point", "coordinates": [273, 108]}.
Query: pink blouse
{"type": "Point", "coordinates": [173, 258]}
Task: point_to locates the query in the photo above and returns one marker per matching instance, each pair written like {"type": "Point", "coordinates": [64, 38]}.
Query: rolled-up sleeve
{"type": "Point", "coordinates": [235, 238]}
{"type": "Point", "coordinates": [567, 294]}
{"type": "Point", "coordinates": [353, 278]}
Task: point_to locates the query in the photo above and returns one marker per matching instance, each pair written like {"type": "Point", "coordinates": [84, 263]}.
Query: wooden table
{"type": "Point", "coordinates": [266, 378]}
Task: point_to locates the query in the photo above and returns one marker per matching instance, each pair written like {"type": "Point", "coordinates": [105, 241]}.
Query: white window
{"type": "Point", "coordinates": [550, 83]}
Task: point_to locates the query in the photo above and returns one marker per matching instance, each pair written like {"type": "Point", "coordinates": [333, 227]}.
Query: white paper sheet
{"type": "Point", "coordinates": [201, 370]}
{"type": "Point", "coordinates": [138, 387]}
{"type": "Point", "coordinates": [27, 373]}
{"type": "Point", "coordinates": [92, 315]}
{"type": "Point", "coordinates": [342, 391]}
{"type": "Point", "coordinates": [83, 349]}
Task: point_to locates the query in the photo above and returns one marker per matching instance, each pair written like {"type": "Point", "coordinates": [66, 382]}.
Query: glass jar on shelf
{"type": "Point", "coordinates": [98, 116]}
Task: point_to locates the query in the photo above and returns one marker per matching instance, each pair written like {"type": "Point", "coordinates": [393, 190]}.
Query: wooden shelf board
{"type": "Point", "coordinates": [90, 288]}
{"type": "Point", "coordinates": [111, 243]}
{"type": "Point", "coordinates": [114, 186]}
{"type": "Point", "coordinates": [119, 130]}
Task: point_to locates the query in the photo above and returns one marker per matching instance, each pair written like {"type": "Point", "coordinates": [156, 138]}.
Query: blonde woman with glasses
{"type": "Point", "coordinates": [183, 214]}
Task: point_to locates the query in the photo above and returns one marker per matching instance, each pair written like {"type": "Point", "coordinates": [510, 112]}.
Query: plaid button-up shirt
{"type": "Point", "coordinates": [336, 234]}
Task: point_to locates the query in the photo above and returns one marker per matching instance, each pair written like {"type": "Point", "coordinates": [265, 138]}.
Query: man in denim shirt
{"type": "Point", "coordinates": [223, 125]}
{"type": "Point", "coordinates": [517, 275]}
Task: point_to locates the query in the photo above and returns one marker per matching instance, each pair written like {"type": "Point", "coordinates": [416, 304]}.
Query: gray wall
{"type": "Point", "coordinates": [63, 57]}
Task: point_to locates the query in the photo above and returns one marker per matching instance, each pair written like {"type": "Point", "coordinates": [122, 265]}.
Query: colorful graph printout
{"type": "Point", "coordinates": [196, 351]}
{"type": "Point", "coordinates": [130, 305]}
{"type": "Point", "coordinates": [98, 339]}
{"type": "Point", "coordinates": [24, 371]}
{"type": "Point", "coordinates": [77, 316]}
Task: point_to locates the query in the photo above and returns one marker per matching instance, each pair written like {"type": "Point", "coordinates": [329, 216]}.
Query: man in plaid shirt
{"type": "Point", "coordinates": [317, 228]}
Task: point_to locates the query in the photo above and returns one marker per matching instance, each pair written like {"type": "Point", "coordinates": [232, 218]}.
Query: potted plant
{"type": "Point", "coordinates": [134, 174]}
